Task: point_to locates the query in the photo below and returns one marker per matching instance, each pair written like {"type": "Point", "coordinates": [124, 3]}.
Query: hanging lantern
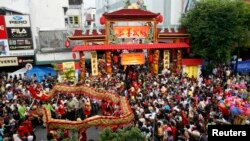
{"type": "Point", "coordinates": [159, 19]}
{"type": "Point", "coordinates": [74, 55]}
{"type": "Point", "coordinates": [150, 58]}
{"type": "Point", "coordinates": [67, 43]}
{"type": "Point", "coordinates": [102, 20]}
{"type": "Point", "coordinates": [116, 59]}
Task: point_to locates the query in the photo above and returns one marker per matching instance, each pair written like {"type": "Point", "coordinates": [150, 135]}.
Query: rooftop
{"type": "Point", "coordinates": [131, 14]}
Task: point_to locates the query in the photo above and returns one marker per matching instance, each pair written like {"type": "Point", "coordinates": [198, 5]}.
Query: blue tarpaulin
{"type": "Point", "coordinates": [40, 71]}
{"type": "Point", "coordinates": [243, 67]}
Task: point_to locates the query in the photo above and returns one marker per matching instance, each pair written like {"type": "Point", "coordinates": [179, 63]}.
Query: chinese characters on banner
{"type": "Point", "coordinates": [166, 59]}
{"type": "Point", "coordinates": [131, 31]}
{"type": "Point", "coordinates": [94, 63]}
{"type": "Point", "coordinates": [132, 59]}
{"type": "Point", "coordinates": [179, 59]}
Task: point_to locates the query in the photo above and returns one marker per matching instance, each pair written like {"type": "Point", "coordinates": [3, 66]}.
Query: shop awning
{"type": "Point", "coordinates": [131, 46]}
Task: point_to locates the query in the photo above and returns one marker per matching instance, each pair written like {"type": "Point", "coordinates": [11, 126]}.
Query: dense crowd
{"type": "Point", "coordinates": [167, 107]}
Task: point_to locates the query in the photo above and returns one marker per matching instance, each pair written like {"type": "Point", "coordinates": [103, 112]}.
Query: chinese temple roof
{"type": "Point", "coordinates": [131, 14]}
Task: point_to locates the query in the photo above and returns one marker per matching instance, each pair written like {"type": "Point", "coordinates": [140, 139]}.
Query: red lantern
{"type": "Point", "coordinates": [115, 59]}
{"type": "Point", "coordinates": [159, 19]}
{"type": "Point", "coordinates": [150, 58]}
{"type": "Point", "coordinates": [74, 55]}
{"type": "Point", "coordinates": [67, 43]}
{"type": "Point", "coordinates": [102, 20]}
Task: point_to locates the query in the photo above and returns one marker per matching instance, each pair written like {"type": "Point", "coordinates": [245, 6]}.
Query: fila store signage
{"type": "Point", "coordinates": [19, 32]}
{"type": "Point", "coordinates": [3, 34]}
{"type": "Point", "coordinates": [17, 21]}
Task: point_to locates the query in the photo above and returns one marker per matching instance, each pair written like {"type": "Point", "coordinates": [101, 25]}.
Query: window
{"type": "Point", "coordinates": [71, 20]}
{"type": "Point", "coordinates": [66, 21]}
{"type": "Point", "coordinates": [74, 21]}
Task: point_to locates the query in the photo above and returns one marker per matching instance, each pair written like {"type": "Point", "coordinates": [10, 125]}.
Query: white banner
{"type": "Point", "coordinates": [17, 21]}
{"type": "Point", "coordinates": [8, 61]}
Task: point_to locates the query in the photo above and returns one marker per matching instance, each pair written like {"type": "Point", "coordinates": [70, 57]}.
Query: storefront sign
{"type": "Point", "coordinates": [131, 31]}
{"type": "Point", "coordinates": [3, 34]}
{"type": "Point", "coordinates": [20, 44]}
{"type": "Point", "coordinates": [132, 59]}
{"type": "Point", "coordinates": [22, 61]}
{"type": "Point", "coordinates": [4, 48]}
{"type": "Point", "coordinates": [94, 63]}
{"type": "Point", "coordinates": [8, 61]}
{"type": "Point", "coordinates": [19, 32]}
{"type": "Point", "coordinates": [17, 21]}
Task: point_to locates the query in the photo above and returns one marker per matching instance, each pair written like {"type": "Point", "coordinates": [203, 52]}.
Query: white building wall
{"type": "Point", "coordinates": [16, 5]}
{"type": "Point", "coordinates": [47, 14]}
{"type": "Point", "coordinates": [176, 10]}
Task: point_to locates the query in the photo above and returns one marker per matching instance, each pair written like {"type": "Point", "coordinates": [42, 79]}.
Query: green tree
{"type": "Point", "coordinates": [126, 134]}
{"type": "Point", "coordinates": [215, 26]}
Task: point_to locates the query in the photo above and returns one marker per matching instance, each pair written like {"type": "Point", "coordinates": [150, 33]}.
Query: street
{"type": "Point", "coordinates": [92, 133]}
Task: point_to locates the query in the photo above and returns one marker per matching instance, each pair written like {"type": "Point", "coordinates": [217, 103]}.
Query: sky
{"type": "Point", "coordinates": [89, 3]}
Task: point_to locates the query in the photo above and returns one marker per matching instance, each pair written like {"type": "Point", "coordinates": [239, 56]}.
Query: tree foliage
{"type": "Point", "coordinates": [126, 134]}
{"type": "Point", "coordinates": [215, 26]}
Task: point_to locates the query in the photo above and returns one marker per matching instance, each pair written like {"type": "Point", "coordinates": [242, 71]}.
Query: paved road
{"type": "Point", "coordinates": [92, 133]}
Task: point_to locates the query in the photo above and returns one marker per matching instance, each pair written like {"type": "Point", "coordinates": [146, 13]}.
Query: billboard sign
{"type": "Point", "coordinates": [22, 61]}
{"type": "Point", "coordinates": [3, 34]}
{"type": "Point", "coordinates": [20, 44]}
{"type": "Point", "coordinates": [17, 21]}
{"type": "Point", "coordinates": [8, 61]}
{"type": "Point", "coordinates": [19, 32]}
{"type": "Point", "coordinates": [4, 48]}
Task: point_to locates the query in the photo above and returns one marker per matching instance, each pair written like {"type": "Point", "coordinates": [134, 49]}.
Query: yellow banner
{"type": "Point", "coordinates": [166, 59]}
{"type": "Point", "coordinates": [179, 59]}
{"type": "Point", "coordinates": [68, 65]}
{"type": "Point", "coordinates": [94, 63]}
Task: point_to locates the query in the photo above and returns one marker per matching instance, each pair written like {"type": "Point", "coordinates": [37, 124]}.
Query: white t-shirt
{"type": "Point", "coordinates": [30, 138]}
{"type": "Point", "coordinates": [16, 138]}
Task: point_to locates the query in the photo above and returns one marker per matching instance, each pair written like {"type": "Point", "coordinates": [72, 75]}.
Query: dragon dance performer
{"type": "Point", "coordinates": [37, 92]}
{"type": "Point", "coordinates": [87, 108]}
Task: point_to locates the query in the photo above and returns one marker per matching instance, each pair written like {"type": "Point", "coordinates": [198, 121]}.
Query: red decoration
{"type": "Point", "coordinates": [67, 43]}
{"type": "Point", "coordinates": [116, 59]}
{"type": "Point", "coordinates": [150, 58]}
{"type": "Point", "coordinates": [74, 55]}
{"type": "Point", "coordinates": [188, 50]}
{"type": "Point", "coordinates": [102, 20]}
{"type": "Point", "coordinates": [159, 19]}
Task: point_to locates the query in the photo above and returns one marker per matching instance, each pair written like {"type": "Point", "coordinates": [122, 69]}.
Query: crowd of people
{"type": "Point", "coordinates": [167, 107]}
